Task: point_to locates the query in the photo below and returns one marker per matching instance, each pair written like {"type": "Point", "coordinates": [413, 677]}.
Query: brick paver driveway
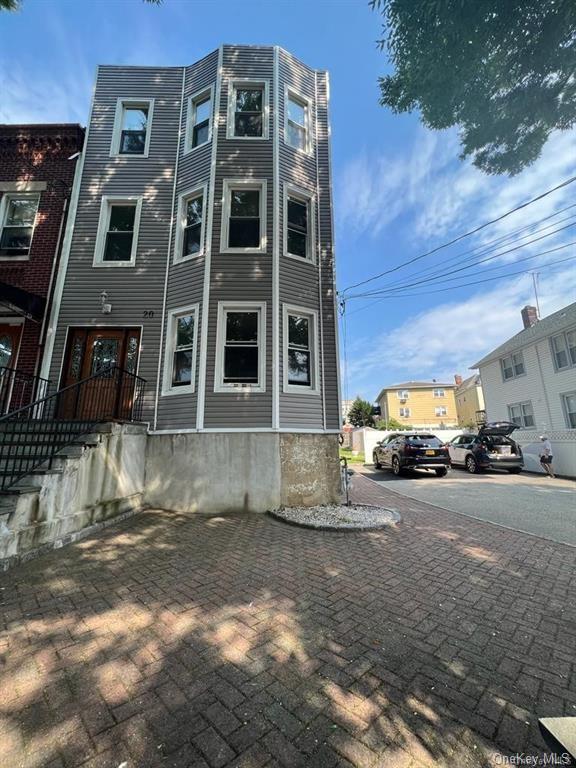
{"type": "Point", "coordinates": [191, 641]}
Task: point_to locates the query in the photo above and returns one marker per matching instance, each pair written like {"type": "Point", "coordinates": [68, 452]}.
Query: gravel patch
{"type": "Point", "coordinates": [333, 517]}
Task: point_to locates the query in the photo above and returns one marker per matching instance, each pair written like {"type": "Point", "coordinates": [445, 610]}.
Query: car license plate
{"type": "Point", "coordinates": [430, 453]}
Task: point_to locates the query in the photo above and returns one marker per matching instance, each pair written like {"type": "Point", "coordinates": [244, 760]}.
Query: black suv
{"type": "Point", "coordinates": [412, 450]}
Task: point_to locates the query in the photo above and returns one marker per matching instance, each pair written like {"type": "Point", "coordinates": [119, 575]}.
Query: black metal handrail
{"type": "Point", "coordinates": [18, 389]}
{"type": "Point", "coordinates": [32, 436]}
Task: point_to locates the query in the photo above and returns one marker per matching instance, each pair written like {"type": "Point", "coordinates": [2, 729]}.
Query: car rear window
{"type": "Point", "coordinates": [430, 440]}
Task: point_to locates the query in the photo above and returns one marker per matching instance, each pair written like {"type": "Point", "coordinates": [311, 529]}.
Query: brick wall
{"type": "Point", "coordinates": [38, 153]}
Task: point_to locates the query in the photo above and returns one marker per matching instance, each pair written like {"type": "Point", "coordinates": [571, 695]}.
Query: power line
{"type": "Point", "coordinates": [462, 285]}
{"type": "Point", "coordinates": [434, 270]}
{"type": "Point", "coordinates": [436, 278]}
{"type": "Point", "coordinates": [466, 234]}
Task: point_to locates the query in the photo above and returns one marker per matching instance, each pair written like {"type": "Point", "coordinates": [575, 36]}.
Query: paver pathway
{"type": "Point", "coordinates": [174, 640]}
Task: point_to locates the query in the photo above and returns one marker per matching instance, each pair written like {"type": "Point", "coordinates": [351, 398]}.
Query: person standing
{"type": "Point", "coordinates": [546, 455]}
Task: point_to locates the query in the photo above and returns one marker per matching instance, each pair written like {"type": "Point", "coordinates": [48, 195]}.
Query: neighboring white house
{"type": "Point", "coordinates": [531, 380]}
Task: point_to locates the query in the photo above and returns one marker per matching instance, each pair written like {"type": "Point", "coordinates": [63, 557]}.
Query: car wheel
{"type": "Point", "coordinates": [442, 472]}
{"type": "Point", "coordinates": [377, 464]}
{"type": "Point", "coordinates": [396, 468]}
{"type": "Point", "coordinates": [515, 470]}
{"type": "Point", "coordinates": [471, 465]}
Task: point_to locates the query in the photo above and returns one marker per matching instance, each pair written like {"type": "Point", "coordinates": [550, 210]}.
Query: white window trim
{"type": "Point", "coordinates": [514, 374]}
{"type": "Point", "coordinates": [107, 202]}
{"type": "Point", "coordinates": [405, 415]}
{"type": "Point", "coordinates": [3, 210]}
{"type": "Point", "coordinates": [312, 314]}
{"type": "Point", "coordinates": [183, 198]}
{"type": "Point", "coordinates": [438, 409]}
{"type": "Point", "coordinates": [173, 315]}
{"type": "Point", "coordinates": [402, 394]}
{"type": "Point", "coordinates": [228, 186]}
{"type": "Point", "coordinates": [121, 103]}
{"type": "Point", "coordinates": [563, 397]}
{"type": "Point", "coordinates": [209, 91]}
{"type": "Point", "coordinates": [519, 405]}
{"type": "Point", "coordinates": [564, 335]}
{"type": "Point", "coordinates": [439, 389]}
{"type": "Point", "coordinates": [297, 96]}
{"type": "Point", "coordinates": [233, 84]}
{"type": "Point", "coordinates": [290, 190]}
{"type": "Point", "coordinates": [233, 306]}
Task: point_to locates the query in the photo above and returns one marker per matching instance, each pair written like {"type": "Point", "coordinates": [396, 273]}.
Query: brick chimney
{"type": "Point", "coordinates": [529, 316]}
{"type": "Point", "coordinates": [457, 379]}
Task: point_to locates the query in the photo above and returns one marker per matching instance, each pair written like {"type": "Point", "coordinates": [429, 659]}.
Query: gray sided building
{"type": "Point", "coordinates": [200, 256]}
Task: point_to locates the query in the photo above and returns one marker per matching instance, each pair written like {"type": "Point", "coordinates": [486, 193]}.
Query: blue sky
{"type": "Point", "coordinates": [399, 189]}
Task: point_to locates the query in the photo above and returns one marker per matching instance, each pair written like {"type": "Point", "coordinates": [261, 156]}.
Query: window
{"type": "Point", "coordinates": [180, 361]}
{"type": "Point", "coordinates": [298, 223]}
{"type": "Point", "coordinates": [189, 241]}
{"type": "Point", "coordinates": [301, 372]}
{"type": "Point", "coordinates": [131, 135]}
{"type": "Point", "coordinates": [564, 350]}
{"type": "Point", "coordinates": [521, 414]}
{"type": "Point", "coordinates": [17, 218]}
{"type": "Point", "coordinates": [440, 410]}
{"type": "Point", "coordinates": [404, 413]}
{"type": "Point", "coordinates": [403, 394]}
{"type": "Point", "coordinates": [117, 237]}
{"type": "Point", "coordinates": [297, 121]}
{"type": "Point", "coordinates": [244, 217]}
{"type": "Point", "coordinates": [512, 366]}
{"type": "Point", "coordinates": [569, 403]}
{"type": "Point", "coordinates": [438, 393]}
{"type": "Point", "coordinates": [240, 347]}
{"type": "Point", "coordinates": [199, 125]}
{"type": "Point", "coordinates": [248, 110]}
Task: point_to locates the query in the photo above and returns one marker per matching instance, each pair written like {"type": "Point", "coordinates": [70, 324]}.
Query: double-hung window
{"type": "Point", "coordinates": [240, 347]}
{"type": "Point", "coordinates": [440, 410]}
{"type": "Point", "coordinates": [298, 223]}
{"type": "Point", "coordinates": [117, 237]}
{"type": "Point", "coordinates": [297, 121]}
{"type": "Point", "coordinates": [439, 393]}
{"type": "Point", "coordinates": [248, 110]}
{"type": "Point", "coordinates": [244, 217]}
{"type": "Point", "coordinates": [131, 134]}
{"type": "Point", "coordinates": [199, 126]}
{"type": "Point", "coordinates": [564, 350]}
{"type": "Point", "coordinates": [191, 219]}
{"type": "Point", "coordinates": [402, 394]}
{"type": "Point", "coordinates": [521, 414]}
{"type": "Point", "coordinates": [300, 355]}
{"type": "Point", "coordinates": [569, 403]}
{"type": "Point", "coordinates": [17, 219]}
{"type": "Point", "coordinates": [512, 366]}
{"type": "Point", "coordinates": [404, 413]}
{"type": "Point", "coordinates": [180, 363]}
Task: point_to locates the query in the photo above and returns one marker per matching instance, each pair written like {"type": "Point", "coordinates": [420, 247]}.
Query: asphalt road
{"type": "Point", "coordinates": [530, 503]}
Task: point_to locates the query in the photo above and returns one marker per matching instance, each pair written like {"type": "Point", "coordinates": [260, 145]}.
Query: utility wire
{"type": "Point", "coordinates": [434, 270]}
{"type": "Point", "coordinates": [463, 285]}
{"type": "Point", "coordinates": [436, 278]}
{"type": "Point", "coordinates": [461, 237]}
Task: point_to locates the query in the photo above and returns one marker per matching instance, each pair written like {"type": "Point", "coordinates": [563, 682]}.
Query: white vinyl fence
{"type": "Point", "coordinates": [373, 436]}
{"type": "Point", "coordinates": [563, 450]}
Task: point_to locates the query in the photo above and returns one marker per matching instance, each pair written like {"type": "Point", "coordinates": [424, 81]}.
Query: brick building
{"type": "Point", "coordinates": [37, 166]}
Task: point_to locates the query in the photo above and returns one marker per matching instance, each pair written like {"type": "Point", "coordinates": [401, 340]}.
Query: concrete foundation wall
{"type": "Point", "coordinates": [254, 472]}
{"type": "Point", "coordinates": [102, 482]}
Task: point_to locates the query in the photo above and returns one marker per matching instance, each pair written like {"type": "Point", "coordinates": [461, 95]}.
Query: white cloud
{"type": "Point", "coordinates": [448, 338]}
